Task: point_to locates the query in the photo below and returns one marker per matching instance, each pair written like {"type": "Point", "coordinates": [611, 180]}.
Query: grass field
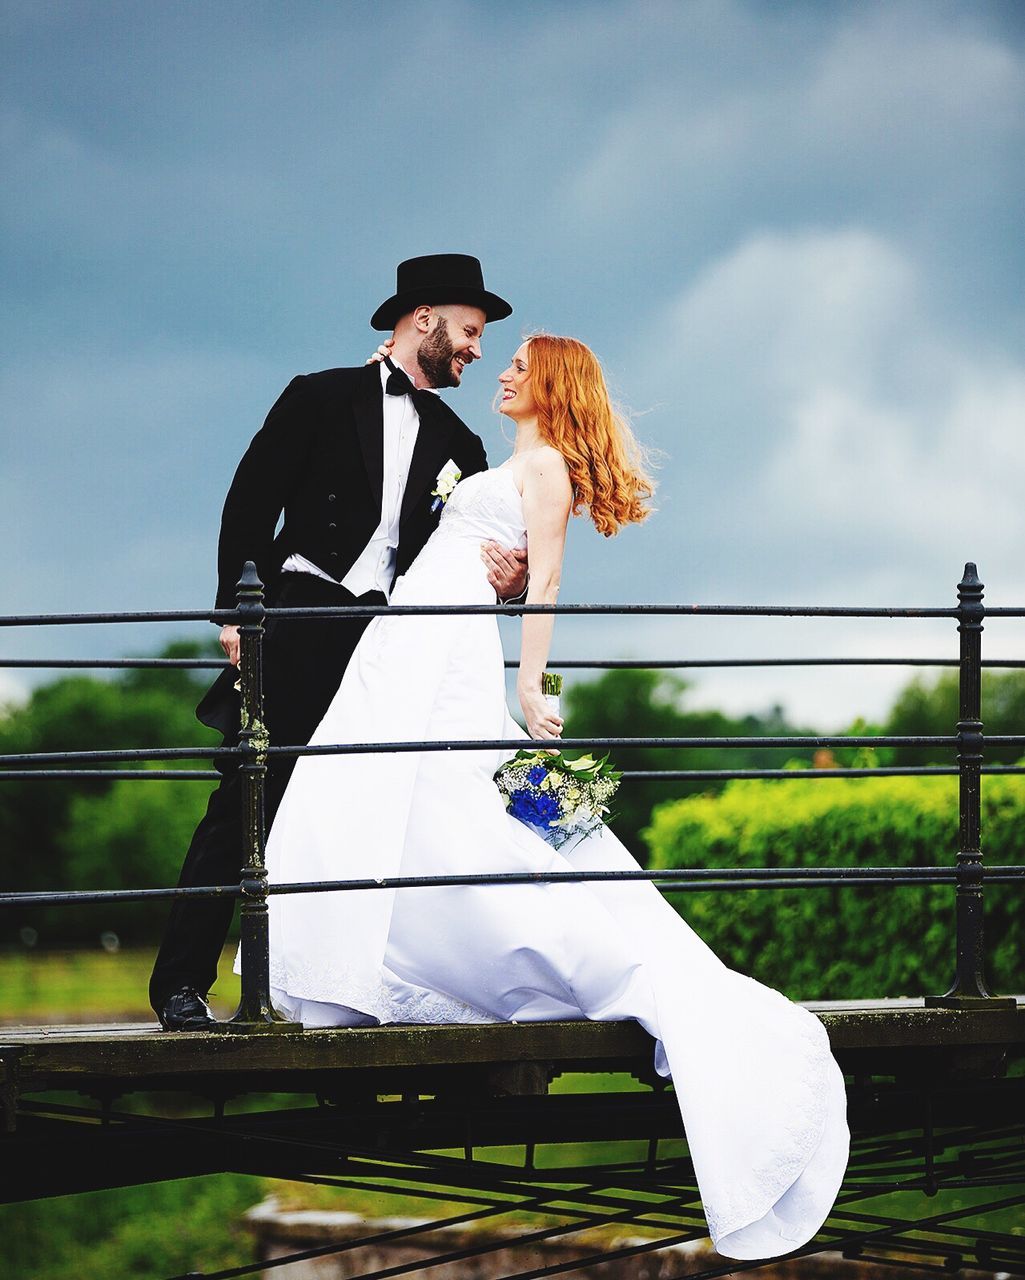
{"type": "Point", "coordinates": [39, 987]}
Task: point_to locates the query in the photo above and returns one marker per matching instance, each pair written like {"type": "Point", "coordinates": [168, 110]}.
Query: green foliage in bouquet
{"type": "Point", "coordinates": [845, 942]}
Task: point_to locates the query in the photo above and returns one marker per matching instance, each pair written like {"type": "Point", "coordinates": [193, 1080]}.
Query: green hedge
{"type": "Point", "coordinates": [839, 943]}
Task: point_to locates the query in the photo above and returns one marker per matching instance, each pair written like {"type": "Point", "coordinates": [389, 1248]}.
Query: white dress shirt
{"type": "Point", "coordinates": [375, 566]}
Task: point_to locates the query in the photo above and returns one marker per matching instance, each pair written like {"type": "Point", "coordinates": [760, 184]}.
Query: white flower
{"type": "Point", "coordinates": [448, 477]}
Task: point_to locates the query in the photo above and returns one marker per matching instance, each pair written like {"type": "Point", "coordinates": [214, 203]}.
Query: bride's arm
{"type": "Point", "coordinates": [547, 497]}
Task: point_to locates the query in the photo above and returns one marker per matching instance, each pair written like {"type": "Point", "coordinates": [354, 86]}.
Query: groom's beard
{"type": "Point", "coordinates": [435, 355]}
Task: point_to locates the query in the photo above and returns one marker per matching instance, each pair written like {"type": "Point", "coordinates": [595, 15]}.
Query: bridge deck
{"type": "Point", "coordinates": [392, 1091]}
{"type": "Point", "coordinates": [870, 1036]}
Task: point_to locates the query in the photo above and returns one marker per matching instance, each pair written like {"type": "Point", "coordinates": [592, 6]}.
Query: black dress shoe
{"type": "Point", "coordinates": [186, 1010]}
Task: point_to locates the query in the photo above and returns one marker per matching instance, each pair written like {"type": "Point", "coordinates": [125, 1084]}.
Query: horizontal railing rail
{"type": "Point", "coordinates": [694, 878]}
{"type": "Point", "coordinates": [511, 664]}
{"type": "Point", "coordinates": [637, 775]}
{"type": "Point", "coordinates": [328, 612]}
{"type": "Point", "coordinates": [768, 743]}
{"type": "Point", "coordinates": [255, 752]}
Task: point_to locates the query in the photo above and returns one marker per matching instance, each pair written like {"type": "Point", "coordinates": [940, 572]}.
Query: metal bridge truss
{"type": "Point", "coordinates": [936, 1179]}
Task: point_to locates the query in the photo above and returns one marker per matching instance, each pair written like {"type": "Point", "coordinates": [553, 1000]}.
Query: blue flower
{"type": "Point", "coordinates": [537, 809]}
{"type": "Point", "coordinates": [537, 775]}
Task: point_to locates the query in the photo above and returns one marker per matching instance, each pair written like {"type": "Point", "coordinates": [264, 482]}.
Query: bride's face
{"type": "Point", "coordinates": [517, 397]}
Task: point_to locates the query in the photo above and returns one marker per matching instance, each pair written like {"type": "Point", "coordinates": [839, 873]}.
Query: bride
{"type": "Point", "coordinates": [761, 1097]}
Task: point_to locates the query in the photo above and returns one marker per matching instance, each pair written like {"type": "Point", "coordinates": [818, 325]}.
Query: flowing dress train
{"type": "Point", "coordinates": [761, 1096]}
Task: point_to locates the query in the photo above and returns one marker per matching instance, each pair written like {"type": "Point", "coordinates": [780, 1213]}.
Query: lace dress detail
{"type": "Point", "coordinates": [300, 984]}
{"type": "Point", "coordinates": [761, 1097]}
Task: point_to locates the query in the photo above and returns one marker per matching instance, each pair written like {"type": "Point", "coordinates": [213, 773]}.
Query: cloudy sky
{"type": "Point", "coordinates": [792, 231]}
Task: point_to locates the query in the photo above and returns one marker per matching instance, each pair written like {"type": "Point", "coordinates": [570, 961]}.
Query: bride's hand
{"type": "Point", "coordinates": [382, 352]}
{"type": "Point", "coordinates": [542, 721]}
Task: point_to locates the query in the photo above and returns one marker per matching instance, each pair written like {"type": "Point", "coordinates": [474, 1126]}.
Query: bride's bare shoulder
{"type": "Point", "coordinates": [544, 478]}
{"type": "Point", "coordinates": [544, 463]}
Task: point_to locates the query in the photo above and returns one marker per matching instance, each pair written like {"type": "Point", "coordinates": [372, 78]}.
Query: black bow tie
{"type": "Point", "coordinates": [398, 383]}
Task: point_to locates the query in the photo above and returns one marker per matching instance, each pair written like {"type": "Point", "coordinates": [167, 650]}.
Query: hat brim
{"type": "Point", "coordinates": [389, 313]}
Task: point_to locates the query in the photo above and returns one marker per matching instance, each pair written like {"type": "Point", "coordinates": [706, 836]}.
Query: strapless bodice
{"type": "Point", "coordinates": [485, 505]}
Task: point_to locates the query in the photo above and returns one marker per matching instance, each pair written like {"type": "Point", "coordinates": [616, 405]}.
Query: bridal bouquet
{"type": "Point", "coordinates": [559, 798]}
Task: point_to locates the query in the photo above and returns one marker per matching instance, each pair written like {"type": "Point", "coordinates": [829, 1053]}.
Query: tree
{"type": "Point", "coordinates": [931, 707]}
{"type": "Point", "coordinates": [59, 834]}
{"type": "Point", "coordinates": [650, 704]}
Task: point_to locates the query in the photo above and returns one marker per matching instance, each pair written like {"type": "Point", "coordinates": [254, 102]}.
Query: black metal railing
{"type": "Point", "coordinates": [967, 873]}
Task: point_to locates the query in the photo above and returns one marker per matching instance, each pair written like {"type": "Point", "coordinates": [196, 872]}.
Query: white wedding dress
{"type": "Point", "coordinates": [761, 1097]}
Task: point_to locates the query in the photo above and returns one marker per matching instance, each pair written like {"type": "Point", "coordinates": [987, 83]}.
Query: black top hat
{"type": "Point", "coordinates": [436, 278]}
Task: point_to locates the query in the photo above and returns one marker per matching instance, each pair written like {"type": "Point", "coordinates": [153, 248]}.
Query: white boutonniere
{"type": "Point", "coordinates": [448, 477]}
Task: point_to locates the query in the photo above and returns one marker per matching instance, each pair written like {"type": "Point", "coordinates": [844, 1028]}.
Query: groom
{"type": "Point", "coordinates": [350, 458]}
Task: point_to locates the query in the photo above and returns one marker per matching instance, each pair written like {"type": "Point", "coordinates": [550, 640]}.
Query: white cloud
{"type": "Point", "coordinates": [907, 64]}
{"type": "Point", "coordinates": [851, 464]}
{"type": "Point", "coordinates": [845, 412]}
{"type": "Point", "coordinates": [798, 309]}
{"type": "Point", "coordinates": [843, 447]}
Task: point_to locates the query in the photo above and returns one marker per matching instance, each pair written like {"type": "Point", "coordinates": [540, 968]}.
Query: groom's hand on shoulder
{"type": "Point", "coordinates": [229, 643]}
{"type": "Point", "coordinates": [507, 569]}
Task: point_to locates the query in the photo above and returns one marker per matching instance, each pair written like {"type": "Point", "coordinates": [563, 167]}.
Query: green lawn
{"type": "Point", "coordinates": [39, 987]}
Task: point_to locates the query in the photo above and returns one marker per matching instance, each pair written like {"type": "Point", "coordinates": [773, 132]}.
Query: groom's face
{"type": "Point", "coordinates": [451, 343]}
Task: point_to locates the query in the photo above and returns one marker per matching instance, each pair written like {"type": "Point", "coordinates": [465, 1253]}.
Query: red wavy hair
{"type": "Point", "coordinates": [575, 415]}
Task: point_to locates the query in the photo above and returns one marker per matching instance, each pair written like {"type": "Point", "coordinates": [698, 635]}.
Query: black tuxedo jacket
{"type": "Point", "coordinates": [319, 459]}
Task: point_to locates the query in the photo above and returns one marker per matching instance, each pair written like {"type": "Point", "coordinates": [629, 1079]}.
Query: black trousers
{"type": "Point", "coordinates": [303, 663]}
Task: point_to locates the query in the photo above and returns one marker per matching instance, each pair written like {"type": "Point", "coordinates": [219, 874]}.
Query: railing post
{"type": "Point", "coordinates": [254, 1012]}
{"type": "Point", "coordinates": [969, 975]}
